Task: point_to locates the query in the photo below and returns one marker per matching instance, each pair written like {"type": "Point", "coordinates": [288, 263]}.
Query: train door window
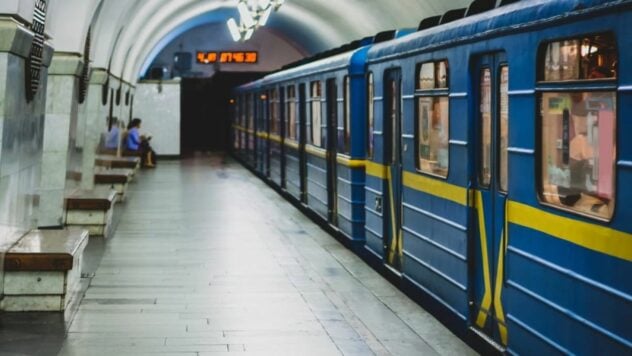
{"type": "Point", "coordinates": [578, 124]}
{"type": "Point", "coordinates": [346, 144]}
{"type": "Point", "coordinates": [290, 110]}
{"type": "Point", "coordinates": [432, 122]}
{"type": "Point", "coordinates": [251, 112]}
{"type": "Point", "coordinates": [273, 114]}
{"type": "Point", "coordinates": [369, 101]}
{"type": "Point", "coordinates": [485, 171]}
{"type": "Point", "coordinates": [316, 117]}
{"type": "Point", "coordinates": [504, 128]}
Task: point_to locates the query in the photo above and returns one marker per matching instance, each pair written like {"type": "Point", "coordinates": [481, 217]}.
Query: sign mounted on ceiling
{"type": "Point", "coordinates": [238, 57]}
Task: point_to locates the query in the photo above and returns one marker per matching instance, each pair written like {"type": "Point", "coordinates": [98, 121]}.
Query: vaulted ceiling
{"type": "Point", "coordinates": [126, 34]}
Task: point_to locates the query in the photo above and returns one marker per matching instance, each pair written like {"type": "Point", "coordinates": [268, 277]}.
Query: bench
{"type": "Point", "coordinates": [109, 161]}
{"type": "Point", "coordinates": [118, 179]}
{"type": "Point", "coordinates": [114, 162]}
{"type": "Point", "coordinates": [90, 209]}
{"type": "Point", "coordinates": [113, 152]}
{"type": "Point", "coordinates": [42, 270]}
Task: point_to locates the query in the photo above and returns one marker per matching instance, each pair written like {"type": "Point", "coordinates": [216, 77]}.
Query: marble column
{"type": "Point", "coordinates": [96, 114]}
{"type": "Point", "coordinates": [60, 156]}
{"type": "Point", "coordinates": [21, 135]}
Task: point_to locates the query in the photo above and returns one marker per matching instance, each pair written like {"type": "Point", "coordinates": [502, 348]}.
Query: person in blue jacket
{"type": "Point", "coordinates": [136, 142]}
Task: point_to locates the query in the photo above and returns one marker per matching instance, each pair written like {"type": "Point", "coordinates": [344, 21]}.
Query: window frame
{"type": "Point", "coordinates": [542, 87]}
{"type": "Point", "coordinates": [435, 92]}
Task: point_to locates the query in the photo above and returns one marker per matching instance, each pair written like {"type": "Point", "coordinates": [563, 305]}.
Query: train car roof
{"type": "Point", "coordinates": [354, 60]}
{"type": "Point", "coordinates": [482, 25]}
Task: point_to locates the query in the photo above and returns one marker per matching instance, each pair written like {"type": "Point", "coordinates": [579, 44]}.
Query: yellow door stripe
{"type": "Point", "coordinates": [393, 245]}
{"type": "Point", "coordinates": [591, 236]}
{"type": "Point", "coordinates": [498, 306]}
{"type": "Point", "coordinates": [487, 298]}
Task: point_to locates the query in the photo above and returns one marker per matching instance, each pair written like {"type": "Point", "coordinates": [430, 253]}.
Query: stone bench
{"type": "Point", "coordinates": [110, 161]}
{"type": "Point", "coordinates": [91, 210]}
{"type": "Point", "coordinates": [118, 179]}
{"type": "Point", "coordinates": [42, 270]}
{"type": "Point", "coordinates": [113, 152]}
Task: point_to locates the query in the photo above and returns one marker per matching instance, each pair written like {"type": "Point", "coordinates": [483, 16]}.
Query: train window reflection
{"type": "Point", "coordinates": [290, 110]}
{"type": "Point", "coordinates": [504, 128]}
{"type": "Point", "coordinates": [578, 151]}
{"type": "Point", "coordinates": [316, 119]}
{"type": "Point", "coordinates": [485, 173]}
{"type": "Point", "coordinates": [589, 57]}
{"type": "Point", "coordinates": [275, 124]}
{"type": "Point", "coordinates": [346, 144]}
{"type": "Point", "coordinates": [433, 124]}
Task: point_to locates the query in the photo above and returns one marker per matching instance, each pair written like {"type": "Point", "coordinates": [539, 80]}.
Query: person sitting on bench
{"type": "Point", "coordinates": [136, 142]}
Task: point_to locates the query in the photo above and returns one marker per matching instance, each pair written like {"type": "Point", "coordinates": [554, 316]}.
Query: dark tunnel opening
{"type": "Point", "coordinates": [206, 111]}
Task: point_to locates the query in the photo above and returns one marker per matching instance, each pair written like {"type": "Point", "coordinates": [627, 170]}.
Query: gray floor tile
{"type": "Point", "coordinates": [215, 264]}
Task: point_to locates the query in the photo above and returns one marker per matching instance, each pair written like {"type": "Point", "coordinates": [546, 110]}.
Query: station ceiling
{"type": "Point", "coordinates": [125, 34]}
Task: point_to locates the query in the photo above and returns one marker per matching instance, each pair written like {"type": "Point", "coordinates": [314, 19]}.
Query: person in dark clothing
{"type": "Point", "coordinates": [137, 142]}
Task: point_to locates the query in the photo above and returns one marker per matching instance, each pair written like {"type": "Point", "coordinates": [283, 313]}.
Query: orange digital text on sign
{"type": "Point", "coordinates": [227, 57]}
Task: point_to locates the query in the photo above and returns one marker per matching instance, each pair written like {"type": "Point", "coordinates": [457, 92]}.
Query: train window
{"type": "Point", "coordinates": [426, 76]}
{"type": "Point", "coordinates": [290, 112]}
{"type": "Point", "coordinates": [274, 112]}
{"type": "Point", "coordinates": [578, 151]}
{"type": "Point", "coordinates": [251, 112]}
{"type": "Point", "coordinates": [316, 119]}
{"type": "Point", "coordinates": [578, 125]}
{"type": "Point", "coordinates": [432, 75]}
{"type": "Point", "coordinates": [370, 93]}
{"type": "Point", "coordinates": [485, 172]}
{"type": "Point", "coordinates": [433, 119]}
{"type": "Point", "coordinates": [589, 57]}
{"type": "Point", "coordinates": [504, 127]}
{"type": "Point", "coordinates": [346, 144]}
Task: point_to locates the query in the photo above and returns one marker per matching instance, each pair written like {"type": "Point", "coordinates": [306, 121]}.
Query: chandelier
{"type": "Point", "coordinates": [252, 15]}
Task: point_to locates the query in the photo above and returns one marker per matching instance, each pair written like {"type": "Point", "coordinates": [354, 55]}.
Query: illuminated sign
{"type": "Point", "coordinates": [227, 57]}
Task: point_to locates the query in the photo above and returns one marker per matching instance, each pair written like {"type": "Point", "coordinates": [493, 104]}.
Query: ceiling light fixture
{"type": "Point", "coordinates": [253, 14]}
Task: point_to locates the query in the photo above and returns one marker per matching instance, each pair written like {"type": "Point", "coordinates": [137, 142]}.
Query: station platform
{"type": "Point", "coordinates": [208, 260]}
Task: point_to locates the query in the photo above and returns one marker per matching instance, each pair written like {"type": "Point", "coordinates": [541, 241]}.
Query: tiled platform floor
{"type": "Point", "coordinates": [208, 260]}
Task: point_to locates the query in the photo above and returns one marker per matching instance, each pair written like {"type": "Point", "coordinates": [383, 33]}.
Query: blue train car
{"type": "Point", "coordinates": [499, 174]}
{"type": "Point", "coordinates": [481, 163]}
{"type": "Point", "coordinates": [313, 155]}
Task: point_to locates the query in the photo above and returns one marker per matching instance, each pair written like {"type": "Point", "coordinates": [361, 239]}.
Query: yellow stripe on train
{"type": "Point", "coordinates": [594, 237]}
{"type": "Point", "coordinates": [591, 236]}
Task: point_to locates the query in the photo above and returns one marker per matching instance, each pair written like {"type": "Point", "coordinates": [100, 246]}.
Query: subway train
{"type": "Point", "coordinates": [479, 162]}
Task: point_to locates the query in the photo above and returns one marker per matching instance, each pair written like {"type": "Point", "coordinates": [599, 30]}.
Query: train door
{"type": "Point", "coordinates": [332, 131]}
{"type": "Point", "coordinates": [491, 82]}
{"type": "Point", "coordinates": [302, 136]}
{"type": "Point", "coordinates": [393, 244]}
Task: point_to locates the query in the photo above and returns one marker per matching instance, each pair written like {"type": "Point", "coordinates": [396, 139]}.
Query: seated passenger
{"type": "Point", "coordinates": [136, 142]}
{"type": "Point", "coordinates": [112, 138]}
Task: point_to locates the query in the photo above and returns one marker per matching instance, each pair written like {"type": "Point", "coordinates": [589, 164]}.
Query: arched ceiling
{"type": "Point", "coordinates": [126, 34]}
